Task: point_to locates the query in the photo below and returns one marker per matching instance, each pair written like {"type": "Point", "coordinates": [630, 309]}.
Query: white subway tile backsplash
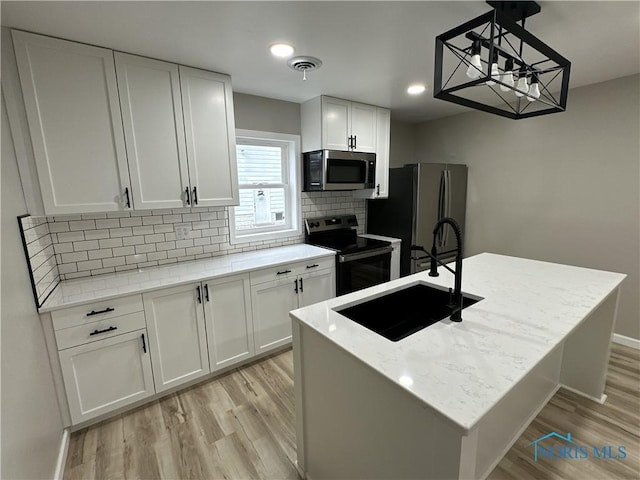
{"type": "Point", "coordinates": [89, 265]}
{"type": "Point", "coordinates": [110, 243]}
{"type": "Point", "coordinates": [138, 239]}
{"type": "Point", "coordinates": [119, 252]}
{"type": "Point", "coordinates": [82, 225]}
{"type": "Point", "coordinates": [74, 257]}
{"type": "Point", "coordinates": [110, 223]}
{"type": "Point", "coordinates": [85, 245]}
{"type": "Point", "coordinates": [120, 232]}
{"type": "Point", "coordinates": [70, 236]}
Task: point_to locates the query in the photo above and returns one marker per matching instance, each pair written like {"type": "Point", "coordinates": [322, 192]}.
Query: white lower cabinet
{"type": "Point", "coordinates": [177, 335]}
{"type": "Point", "coordinates": [273, 300]}
{"type": "Point", "coordinates": [228, 319]}
{"type": "Point", "coordinates": [107, 374]}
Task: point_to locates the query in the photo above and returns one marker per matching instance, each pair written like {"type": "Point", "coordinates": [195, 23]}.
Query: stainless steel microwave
{"type": "Point", "coordinates": [338, 170]}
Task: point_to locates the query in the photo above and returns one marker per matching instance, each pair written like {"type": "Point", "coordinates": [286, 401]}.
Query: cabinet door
{"type": "Point", "coordinates": [207, 104]}
{"type": "Point", "coordinates": [383, 133]}
{"type": "Point", "coordinates": [102, 376]}
{"type": "Point", "coordinates": [335, 123]}
{"type": "Point", "coordinates": [363, 127]}
{"type": "Point", "coordinates": [71, 100]}
{"type": "Point", "coordinates": [317, 287]}
{"type": "Point", "coordinates": [228, 319]}
{"type": "Point", "coordinates": [154, 130]}
{"type": "Point", "coordinates": [177, 336]}
{"type": "Point", "coordinates": [271, 303]}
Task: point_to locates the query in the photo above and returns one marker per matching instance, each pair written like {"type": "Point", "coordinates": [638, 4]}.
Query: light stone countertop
{"type": "Point", "coordinates": [463, 369]}
{"type": "Point", "coordinates": [103, 287]}
{"type": "Point", "coordinates": [392, 240]}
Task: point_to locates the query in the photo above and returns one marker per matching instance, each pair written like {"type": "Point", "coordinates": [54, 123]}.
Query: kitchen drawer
{"type": "Point", "coordinates": [302, 268]}
{"type": "Point", "coordinates": [291, 270]}
{"type": "Point", "coordinates": [105, 328]}
{"type": "Point", "coordinates": [92, 312]}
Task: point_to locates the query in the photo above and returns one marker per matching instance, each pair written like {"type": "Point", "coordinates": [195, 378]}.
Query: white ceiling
{"type": "Point", "coordinates": [371, 50]}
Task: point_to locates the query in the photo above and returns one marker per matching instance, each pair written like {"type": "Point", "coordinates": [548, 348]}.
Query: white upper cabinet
{"type": "Point", "coordinates": [336, 124]}
{"type": "Point", "coordinates": [363, 127]}
{"type": "Point", "coordinates": [154, 131]}
{"type": "Point", "coordinates": [383, 139]}
{"type": "Point", "coordinates": [71, 100]}
{"type": "Point", "coordinates": [207, 104]}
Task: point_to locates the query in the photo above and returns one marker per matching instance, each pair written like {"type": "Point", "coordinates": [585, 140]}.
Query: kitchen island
{"type": "Point", "coordinates": [448, 401]}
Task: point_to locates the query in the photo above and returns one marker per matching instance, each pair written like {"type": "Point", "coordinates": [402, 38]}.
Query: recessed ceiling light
{"type": "Point", "coordinates": [416, 89]}
{"type": "Point", "coordinates": [281, 50]}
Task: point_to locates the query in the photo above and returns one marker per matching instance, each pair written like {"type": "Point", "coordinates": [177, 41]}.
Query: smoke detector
{"type": "Point", "coordinates": [304, 64]}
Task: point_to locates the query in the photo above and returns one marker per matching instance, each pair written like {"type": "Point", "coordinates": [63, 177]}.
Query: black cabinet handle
{"type": "Point", "coordinates": [126, 194]}
{"type": "Point", "coordinates": [98, 312]}
{"type": "Point", "coordinates": [144, 344]}
{"type": "Point", "coordinates": [378, 189]}
{"type": "Point", "coordinates": [98, 332]}
{"type": "Point", "coordinates": [206, 291]}
{"type": "Point", "coordinates": [283, 272]}
{"type": "Point", "coordinates": [355, 142]}
{"type": "Point", "coordinates": [313, 266]}
{"type": "Point", "coordinates": [295, 282]}
{"type": "Point", "coordinates": [301, 286]}
{"type": "Point", "coordinates": [198, 295]}
{"type": "Point", "coordinates": [195, 196]}
{"type": "Point", "coordinates": [187, 196]}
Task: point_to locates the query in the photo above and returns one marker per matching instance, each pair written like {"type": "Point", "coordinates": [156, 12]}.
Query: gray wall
{"type": "Point", "coordinates": [31, 423]}
{"type": "Point", "coordinates": [561, 188]}
{"type": "Point", "coordinates": [266, 114]}
{"type": "Point", "coordinates": [402, 146]}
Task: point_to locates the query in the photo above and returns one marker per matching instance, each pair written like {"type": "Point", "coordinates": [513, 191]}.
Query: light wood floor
{"type": "Point", "coordinates": [241, 426]}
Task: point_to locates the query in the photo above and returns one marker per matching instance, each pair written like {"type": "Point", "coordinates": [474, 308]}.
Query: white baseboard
{"type": "Point", "coordinates": [627, 341]}
{"type": "Point", "coordinates": [62, 455]}
{"type": "Point", "coordinates": [600, 400]}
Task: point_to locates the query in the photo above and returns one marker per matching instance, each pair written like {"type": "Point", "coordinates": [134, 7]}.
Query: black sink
{"type": "Point", "coordinates": [404, 312]}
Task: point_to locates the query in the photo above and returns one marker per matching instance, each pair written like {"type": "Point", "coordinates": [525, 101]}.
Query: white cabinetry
{"type": "Point", "coordinates": [71, 100]}
{"type": "Point", "coordinates": [383, 138]}
{"type": "Point", "coordinates": [336, 124]}
{"type": "Point", "coordinates": [104, 356]}
{"type": "Point", "coordinates": [277, 291]}
{"type": "Point", "coordinates": [209, 123]}
{"type": "Point", "coordinates": [229, 321]}
{"type": "Point", "coordinates": [177, 335]}
{"type": "Point", "coordinates": [154, 131]}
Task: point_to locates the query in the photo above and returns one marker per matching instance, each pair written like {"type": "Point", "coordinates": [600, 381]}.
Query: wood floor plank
{"type": "Point", "coordinates": [241, 425]}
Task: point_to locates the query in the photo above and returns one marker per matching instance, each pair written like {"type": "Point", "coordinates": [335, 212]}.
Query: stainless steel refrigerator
{"type": "Point", "coordinates": [419, 195]}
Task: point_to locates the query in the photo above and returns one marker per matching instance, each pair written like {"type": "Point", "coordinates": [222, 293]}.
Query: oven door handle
{"type": "Point", "coordinates": [368, 253]}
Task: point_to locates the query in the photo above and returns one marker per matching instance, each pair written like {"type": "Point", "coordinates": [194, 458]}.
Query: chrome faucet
{"type": "Point", "coordinates": [456, 304]}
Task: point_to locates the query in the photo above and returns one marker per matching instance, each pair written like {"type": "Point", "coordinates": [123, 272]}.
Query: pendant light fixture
{"type": "Point", "coordinates": [481, 45]}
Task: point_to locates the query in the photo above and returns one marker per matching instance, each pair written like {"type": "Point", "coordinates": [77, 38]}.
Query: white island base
{"type": "Point", "coordinates": [359, 416]}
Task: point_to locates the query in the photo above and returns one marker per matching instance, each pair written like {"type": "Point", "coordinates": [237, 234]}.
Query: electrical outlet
{"type": "Point", "coordinates": [183, 231]}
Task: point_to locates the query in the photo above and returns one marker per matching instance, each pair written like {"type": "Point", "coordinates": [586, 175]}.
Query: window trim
{"type": "Point", "coordinates": [293, 171]}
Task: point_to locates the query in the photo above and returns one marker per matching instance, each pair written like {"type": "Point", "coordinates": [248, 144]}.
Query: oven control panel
{"type": "Point", "coordinates": [331, 223]}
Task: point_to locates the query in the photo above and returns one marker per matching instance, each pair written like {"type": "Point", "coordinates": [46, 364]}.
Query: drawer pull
{"type": "Point", "coordinates": [313, 266]}
{"type": "Point", "coordinates": [98, 312]}
{"type": "Point", "coordinates": [98, 332]}
{"type": "Point", "coordinates": [283, 272]}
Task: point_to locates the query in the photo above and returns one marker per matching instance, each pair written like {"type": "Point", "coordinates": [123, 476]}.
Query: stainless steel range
{"type": "Point", "coordinates": [360, 262]}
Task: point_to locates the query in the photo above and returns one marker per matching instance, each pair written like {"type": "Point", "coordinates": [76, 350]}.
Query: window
{"type": "Point", "coordinates": [268, 179]}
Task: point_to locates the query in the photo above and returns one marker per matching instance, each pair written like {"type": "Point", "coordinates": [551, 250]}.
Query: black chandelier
{"type": "Point", "coordinates": [493, 64]}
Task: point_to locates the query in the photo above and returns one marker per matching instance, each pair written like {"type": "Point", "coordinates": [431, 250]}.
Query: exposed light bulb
{"type": "Point", "coordinates": [475, 68]}
{"type": "Point", "coordinates": [508, 76]}
{"type": "Point", "coordinates": [522, 87]}
{"type": "Point", "coordinates": [534, 89]}
{"type": "Point", "coordinates": [495, 74]}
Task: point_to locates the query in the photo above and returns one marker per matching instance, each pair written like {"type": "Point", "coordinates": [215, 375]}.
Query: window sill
{"type": "Point", "coordinates": [264, 236]}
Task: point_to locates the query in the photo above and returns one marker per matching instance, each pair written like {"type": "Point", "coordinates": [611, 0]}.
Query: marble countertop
{"type": "Point", "coordinates": [380, 237]}
{"type": "Point", "coordinates": [103, 287]}
{"type": "Point", "coordinates": [463, 369]}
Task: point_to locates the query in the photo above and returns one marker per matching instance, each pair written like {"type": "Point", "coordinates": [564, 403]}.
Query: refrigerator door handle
{"type": "Point", "coordinates": [441, 206]}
